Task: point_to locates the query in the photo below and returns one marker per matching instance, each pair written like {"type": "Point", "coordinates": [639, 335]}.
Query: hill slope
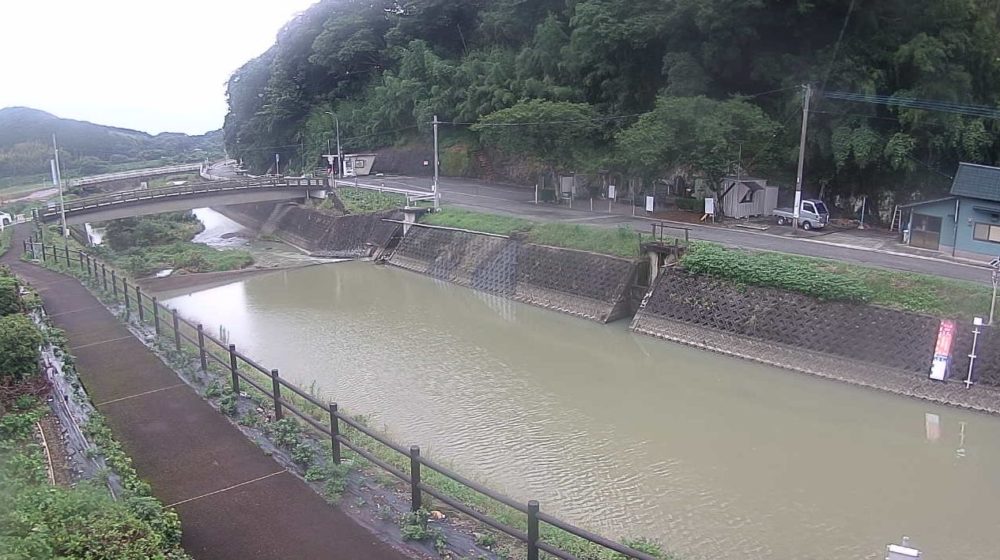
{"type": "Point", "coordinates": [87, 148]}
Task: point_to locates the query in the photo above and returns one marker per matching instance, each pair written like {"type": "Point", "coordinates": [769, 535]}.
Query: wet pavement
{"type": "Point", "coordinates": [234, 501]}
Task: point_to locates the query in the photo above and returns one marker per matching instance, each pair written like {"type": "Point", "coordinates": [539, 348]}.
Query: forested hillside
{"type": "Point", "coordinates": [87, 148]}
{"type": "Point", "coordinates": [643, 87]}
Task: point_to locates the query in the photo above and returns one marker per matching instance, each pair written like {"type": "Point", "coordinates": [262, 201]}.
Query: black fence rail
{"type": "Point", "coordinates": [183, 333]}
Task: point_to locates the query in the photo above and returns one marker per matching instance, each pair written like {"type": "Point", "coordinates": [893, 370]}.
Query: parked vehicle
{"type": "Point", "coordinates": [812, 214]}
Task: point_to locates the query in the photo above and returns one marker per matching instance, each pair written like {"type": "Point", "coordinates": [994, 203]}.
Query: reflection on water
{"type": "Point", "coordinates": [624, 434]}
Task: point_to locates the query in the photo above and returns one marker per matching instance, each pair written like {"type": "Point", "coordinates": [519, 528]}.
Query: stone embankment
{"type": "Point", "coordinates": [579, 283]}
{"type": "Point", "coordinates": [861, 344]}
{"type": "Point", "coordinates": [319, 234]}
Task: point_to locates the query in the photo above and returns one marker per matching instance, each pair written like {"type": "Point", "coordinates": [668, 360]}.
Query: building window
{"type": "Point", "coordinates": [986, 232]}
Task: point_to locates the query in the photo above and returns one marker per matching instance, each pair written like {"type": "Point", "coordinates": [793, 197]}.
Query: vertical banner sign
{"type": "Point", "coordinates": [942, 350]}
{"type": "Point", "coordinates": [649, 204]}
{"type": "Point", "coordinates": [611, 192]}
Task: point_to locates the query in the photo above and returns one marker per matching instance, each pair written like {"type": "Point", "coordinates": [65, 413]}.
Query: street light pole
{"type": "Point", "coordinates": [437, 197]}
{"type": "Point", "coordinates": [58, 178]}
{"type": "Point", "coordinates": [802, 157]}
{"type": "Point", "coordinates": [340, 155]}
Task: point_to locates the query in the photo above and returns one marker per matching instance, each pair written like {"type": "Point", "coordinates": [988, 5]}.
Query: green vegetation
{"type": "Point", "coordinates": [147, 244]}
{"type": "Point", "coordinates": [5, 236]}
{"type": "Point", "coordinates": [662, 84]}
{"type": "Point", "coordinates": [361, 201]}
{"type": "Point", "coordinates": [832, 280]}
{"type": "Point", "coordinates": [88, 149]}
{"type": "Point", "coordinates": [19, 341]}
{"type": "Point", "coordinates": [621, 242]}
{"type": "Point", "coordinates": [477, 221]}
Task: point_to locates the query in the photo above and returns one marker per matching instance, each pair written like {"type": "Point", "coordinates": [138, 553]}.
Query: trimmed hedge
{"type": "Point", "coordinates": [795, 274]}
{"type": "Point", "coordinates": [10, 297]}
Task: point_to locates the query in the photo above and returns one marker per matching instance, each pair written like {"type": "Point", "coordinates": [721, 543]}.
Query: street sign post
{"type": "Point", "coordinates": [995, 265]}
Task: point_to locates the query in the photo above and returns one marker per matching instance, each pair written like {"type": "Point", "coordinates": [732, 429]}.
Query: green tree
{"type": "Point", "coordinates": [19, 342]}
{"type": "Point", "coordinates": [699, 134]}
{"type": "Point", "coordinates": [554, 133]}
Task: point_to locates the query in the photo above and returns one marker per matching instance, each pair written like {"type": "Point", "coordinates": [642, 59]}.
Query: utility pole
{"type": "Point", "coordinates": [437, 198]}
{"type": "Point", "coordinates": [340, 155]}
{"type": "Point", "coordinates": [277, 165]}
{"type": "Point", "coordinates": [802, 157]}
{"type": "Point", "coordinates": [57, 175]}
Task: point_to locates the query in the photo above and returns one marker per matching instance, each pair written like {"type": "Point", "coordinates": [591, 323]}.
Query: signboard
{"type": "Point", "coordinates": [649, 204]}
{"type": "Point", "coordinates": [942, 350]}
{"type": "Point", "coordinates": [611, 192]}
{"type": "Point", "coordinates": [710, 206]}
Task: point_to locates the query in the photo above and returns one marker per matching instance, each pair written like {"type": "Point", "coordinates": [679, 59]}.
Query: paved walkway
{"type": "Point", "coordinates": [234, 501]}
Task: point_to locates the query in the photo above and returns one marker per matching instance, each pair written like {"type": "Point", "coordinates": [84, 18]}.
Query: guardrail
{"type": "Point", "coordinates": [167, 322]}
{"type": "Point", "coordinates": [659, 232]}
{"type": "Point", "coordinates": [132, 174]}
{"type": "Point", "coordinates": [182, 190]}
{"type": "Point", "coordinates": [412, 195]}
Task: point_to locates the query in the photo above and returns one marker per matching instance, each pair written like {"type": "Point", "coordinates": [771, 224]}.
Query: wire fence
{"type": "Point", "coordinates": [219, 355]}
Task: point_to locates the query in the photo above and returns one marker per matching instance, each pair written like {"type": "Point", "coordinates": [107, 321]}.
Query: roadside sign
{"type": "Point", "coordinates": [995, 263]}
{"type": "Point", "coordinates": [611, 192]}
{"type": "Point", "coordinates": [649, 204]}
{"type": "Point", "coordinates": [710, 206]}
{"type": "Point", "coordinates": [942, 350]}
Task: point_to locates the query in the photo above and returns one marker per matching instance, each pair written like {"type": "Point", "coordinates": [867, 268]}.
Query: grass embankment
{"type": "Point", "coordinates": [41, 519]}
{"type": "Point", "coordinates": [838, 281]}
{"type": "Point", "coordinates": [145, 245]}
{"type": "Point", "coordinates": [620, 242]}
{"type": "Point", "coordinates": [5, 237]}
{"type": "Point", "coordinates": [362, 201]}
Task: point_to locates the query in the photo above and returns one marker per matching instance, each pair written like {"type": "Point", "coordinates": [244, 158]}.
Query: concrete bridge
{"type": "Point", "coordinates": [185, 197]}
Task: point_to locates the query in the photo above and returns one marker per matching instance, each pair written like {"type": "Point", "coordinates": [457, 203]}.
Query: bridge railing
{"type": "Point", "coordinates": [182, 190]}
{"type": "Point", "coordinates": [541, 532]}
{"type": "Point", "coordinates": [132, 174]}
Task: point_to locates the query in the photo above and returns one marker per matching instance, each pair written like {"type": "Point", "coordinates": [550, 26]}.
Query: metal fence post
{"type": "Point", "coordinates": [234, 368]}
{"type": "Point", "coordinates": [128, 312]}
{"type": "Point", "coordinates": [415, 478]}
{"type": "Point", "coordinates": [201, 348]}
{"type": "Point", "coordinates": [532, 530]}
{"type": "Point", "coordinates": [156, 317]}
{"type": "Point", "coordinates": [66, 252]}
{"type": "Point", "coordinates": [276, 389]}
{"type": "Point", "coordinates": [80, 254]}
{"type": "Point", "coordinates": [104, 276]}
{"type": "Point", "coordinates": [90, 266]}
{"type": "Point", "coordinates": [177, 330]}
{"type": "Point", "coordinates": [138, 302]}
{"type": "Point", "coordinates": [334, 433]}
{"type": "Point", "coordinates": [114, 284]}
{"type": "Point", "coordinates": [43, 252]}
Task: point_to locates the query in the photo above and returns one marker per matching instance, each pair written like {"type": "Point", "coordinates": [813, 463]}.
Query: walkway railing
{"type": "Point", "coordinates": [211, 350]}
{"type": "Point", "coordinates": [412, 195]}
{"type": "Point", "coordinates": [92, 202]}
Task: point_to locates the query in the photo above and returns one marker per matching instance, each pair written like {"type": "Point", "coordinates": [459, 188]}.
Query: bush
{"type": "Point", "coordinates": [10, 297]}
{"type": "Point", "coordinates": [691, 204]}
{"type": "Point", "coordinates": [795, 274]}
{"type": "Point", "coordinates": [19, 342]}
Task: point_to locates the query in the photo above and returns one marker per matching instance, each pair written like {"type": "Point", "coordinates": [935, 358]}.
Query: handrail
{"type": "Point", "coordinates": [149, 172]}
{"type": "Point", "coordinates": [535, 517]}
{"type": "Point", "coordinates": [180, 190]}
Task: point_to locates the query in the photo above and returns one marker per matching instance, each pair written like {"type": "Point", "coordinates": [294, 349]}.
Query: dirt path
{"type": "Point", "coordinates": [234, 501]}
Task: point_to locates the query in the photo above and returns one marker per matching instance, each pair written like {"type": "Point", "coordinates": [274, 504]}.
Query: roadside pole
{"type": "Point", "coordinates": [437, 197]}
{"type": "Point", "coordinates": [57, 176]}
{"type": "Point", "coordinates": [802, 157]}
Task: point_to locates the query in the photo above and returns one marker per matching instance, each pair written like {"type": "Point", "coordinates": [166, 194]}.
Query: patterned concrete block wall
{"type": "Point", "coordinates": [579, 283]}
{"type": "Point", "coordinates": [888, 338]}
{"type": "Point", "coordinates": [321, 234]}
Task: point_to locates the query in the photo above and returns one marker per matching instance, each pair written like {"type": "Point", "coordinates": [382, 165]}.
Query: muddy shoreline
{"type": "Point", "coordinates": [183, 282]}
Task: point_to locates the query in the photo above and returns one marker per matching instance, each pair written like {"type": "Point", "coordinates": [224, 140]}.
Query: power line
{"type": "Point", "coordinates": [577, 121]}
{"type": "Point", "coordinates": [836, 46]}
{"type": "Point", "coordinates": [914, 103]}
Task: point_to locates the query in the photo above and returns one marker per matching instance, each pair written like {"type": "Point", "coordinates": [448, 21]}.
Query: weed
{"type": "Point", "coordinates": [316, 473]}
{"type": "Point", "coordinates": [413, 525]}
{"type": "Point", "coordinates": [213, 390]}
{"type": "Point", "coordinates": [485, 540]}
{"type": "Point", "coordinates": [286, 432]}
{"type": "Point", "coordinates": [303, 455]}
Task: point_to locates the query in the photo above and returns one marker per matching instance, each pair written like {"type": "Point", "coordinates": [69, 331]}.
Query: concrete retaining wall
{"type": "Point", "coordinates": [579, 283]}
{"type": "Point", "coordinates": [852, 342]}
{"type": "Point", "coordinates": [351, 236]}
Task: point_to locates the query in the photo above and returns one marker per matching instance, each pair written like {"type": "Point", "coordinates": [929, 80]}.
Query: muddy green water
{"type": "Point", "coordinates": [716, 457]}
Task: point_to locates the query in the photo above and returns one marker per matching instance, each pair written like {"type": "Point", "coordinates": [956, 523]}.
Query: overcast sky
{"type": "Point", "coordinates": [152, 66]}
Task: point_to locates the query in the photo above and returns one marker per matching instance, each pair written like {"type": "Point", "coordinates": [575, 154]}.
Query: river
{"type": "Point", "coordinates": [715, 457]}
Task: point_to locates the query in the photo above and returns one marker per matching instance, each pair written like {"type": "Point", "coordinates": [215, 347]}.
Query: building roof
{"type": "Point", "coordinates": [977, 181]}
{"type": "Point", "coordinates": [925, 202]}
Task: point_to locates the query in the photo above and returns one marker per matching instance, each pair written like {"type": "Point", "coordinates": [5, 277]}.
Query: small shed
{"type": "Point", "coordinates": [355, 165]}
{"type": "Point", "coordinates": [747, 197]}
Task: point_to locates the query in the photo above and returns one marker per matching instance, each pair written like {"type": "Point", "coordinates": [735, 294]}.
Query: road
{"type": "Point", "coordinates": [519, 201]}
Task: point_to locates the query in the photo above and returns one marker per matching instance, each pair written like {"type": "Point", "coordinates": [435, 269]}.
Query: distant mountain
{"type": "Point", "coordinates": [87, 148]}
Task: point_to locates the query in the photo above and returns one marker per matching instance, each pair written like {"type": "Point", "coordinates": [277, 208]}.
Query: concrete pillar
{"type": "Point", "coordinates": [409, 218]}
{"type": "Point", "coordinates": [654, 266]}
